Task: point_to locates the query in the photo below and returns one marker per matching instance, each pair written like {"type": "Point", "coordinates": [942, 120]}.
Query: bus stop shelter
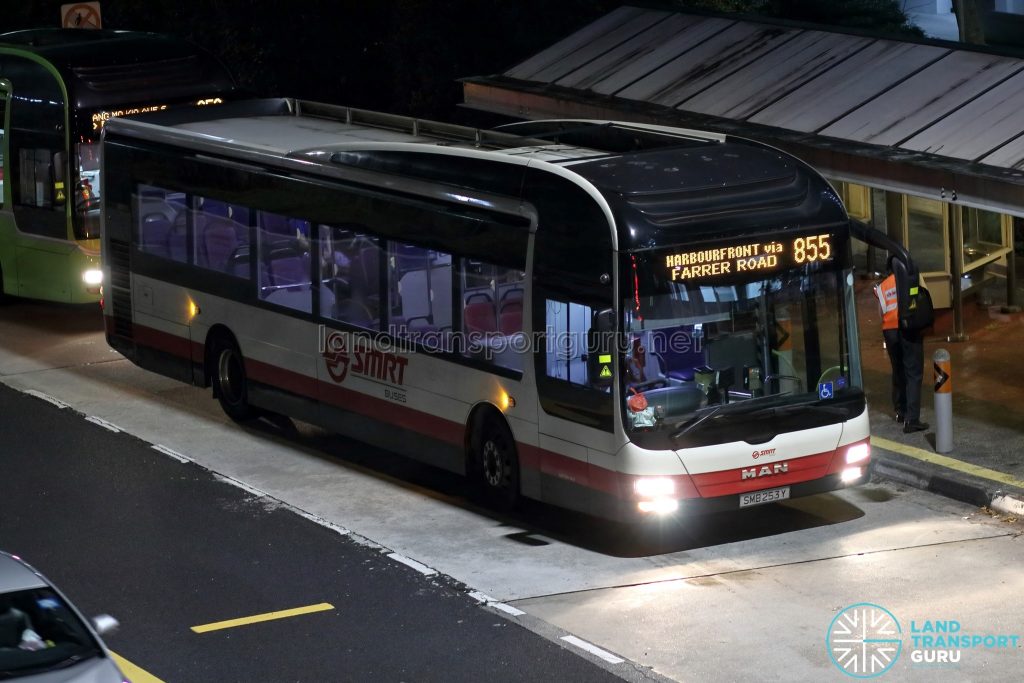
{"type": "Point", "coordinates": [922, 139]}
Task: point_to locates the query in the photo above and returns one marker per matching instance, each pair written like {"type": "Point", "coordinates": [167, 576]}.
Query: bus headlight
{"type": "Point", "coordinates": [654, 487]}
{"type": "Point", "coordinates": [93, 277]}
{"type": "Point", "coordinates": [851, 474]}
{"type": "Point", "coordinates": [857, 453]}
{"type": "Point", "coordinates": [661, 506]}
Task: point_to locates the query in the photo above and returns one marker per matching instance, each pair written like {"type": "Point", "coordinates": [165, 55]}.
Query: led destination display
{"type": "Point", "coordinates": [748, 257]}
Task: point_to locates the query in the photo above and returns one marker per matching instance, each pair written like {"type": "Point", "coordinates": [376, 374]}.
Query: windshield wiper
{"type": "Point", "coordinates": [690, 426]}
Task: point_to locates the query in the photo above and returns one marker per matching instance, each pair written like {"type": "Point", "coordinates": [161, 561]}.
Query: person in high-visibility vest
{"type": "Point", "coordinates": [906, 355]}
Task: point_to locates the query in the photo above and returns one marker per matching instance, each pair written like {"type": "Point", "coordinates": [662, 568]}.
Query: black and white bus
{"type": "Point", "coordinates": [626, 320]}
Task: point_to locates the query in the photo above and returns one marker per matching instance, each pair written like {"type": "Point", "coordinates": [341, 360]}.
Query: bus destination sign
{"type": "Point", "coordinates": [103, 115]}
{"type": "Point", "coordinates": [749, 257]}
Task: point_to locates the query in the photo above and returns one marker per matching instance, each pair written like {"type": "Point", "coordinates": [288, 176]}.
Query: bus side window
{"type": "Point", "coordinates": [284, 262]}
{"type": "Point", "coordinates": [350, 263]}
{"type": "Point", "coordinates": [492, 313]}
{"type": "Point", "coordinates": [566, 328]}
{"type": "Point", "coordinates": [419, 294]}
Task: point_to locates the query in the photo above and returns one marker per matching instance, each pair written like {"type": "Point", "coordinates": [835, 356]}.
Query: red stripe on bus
{"type": "Point", "coordinates": [162, 341]}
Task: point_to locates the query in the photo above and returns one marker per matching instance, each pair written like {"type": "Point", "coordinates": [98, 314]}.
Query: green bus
{"type": "Point", "coordinates": [57, 88]}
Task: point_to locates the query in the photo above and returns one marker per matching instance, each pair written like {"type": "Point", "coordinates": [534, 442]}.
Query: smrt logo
{"type": "Point", "coordinates": [764, 471]}
{"type": "Point", "coordinates": [374, 364]}
{"type": "Point", "coordinates": [763, 453]}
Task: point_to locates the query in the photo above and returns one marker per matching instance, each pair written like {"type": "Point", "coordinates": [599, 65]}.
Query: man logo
{"type": "Point", "coordinates": [864, 640]}
{"type": "Point", "coordinates": [764, 471]}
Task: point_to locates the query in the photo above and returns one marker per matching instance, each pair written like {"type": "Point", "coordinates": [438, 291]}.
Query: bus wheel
{"type": "Point", "coordinates": [229, 382]}
{"type": "Point", "coordinates": [495, 465]}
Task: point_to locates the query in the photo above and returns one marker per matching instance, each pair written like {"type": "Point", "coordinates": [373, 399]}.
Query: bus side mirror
{"type": "Point", "coordinates": [601, 349]}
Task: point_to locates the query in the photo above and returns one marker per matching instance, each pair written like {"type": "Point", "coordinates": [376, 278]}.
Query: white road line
{"type": "Point", "coordinates": [323, 522]}
{"type": "Point", "coordinates": [245, 487]}
{"type": "Point", "coordinates": [507, 609]}
{"type": "Point", "coordinates": [103, 423]}
{"type": "Point", "coordinates": [421, 568]}
{"type": "Point", "coordinates": [593, 649]}
{"type": "Point", "coordinates": [46, 397]}
{"type": "Point", "coordinates": [486, 599]}
{"type": "Point", "coordinates": [174, 454]}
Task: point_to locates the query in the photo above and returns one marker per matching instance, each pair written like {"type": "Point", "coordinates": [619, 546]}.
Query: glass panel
{"type": "Point", "coordinates": [87, 191]}
{"type": "Point", "coordinates": [161, 217]}
{"type": "Point", "coordinates": [46, 634]}
{"type": "Point", "coordinates": [927, 238]}
{"type": "Point", "coordinates": [350, 262]}
{"type": "Point", "coordinates": [983, 233]}
{"type": "Point", "coordinates": [420, 294]}
{"type": "Point", "coordinates": [283, 263]}
{"type": "Point", "coordinates": [566, 326]}
{"type": "Point", "coordinates": [492, 313]}
{"type": "Point", "coordinates": [735, 342]}
{"type": "Point", "coordinates": [221, 237]}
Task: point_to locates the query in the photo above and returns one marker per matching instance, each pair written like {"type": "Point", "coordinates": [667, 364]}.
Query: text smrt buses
{"type": "Point", "coordinates": [57, 88]}
{"type": "Point", "coordinates": [626, 320]}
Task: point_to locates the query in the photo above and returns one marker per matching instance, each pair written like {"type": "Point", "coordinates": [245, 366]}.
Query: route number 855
{"type": "Point", "coordinates": [811, 249]}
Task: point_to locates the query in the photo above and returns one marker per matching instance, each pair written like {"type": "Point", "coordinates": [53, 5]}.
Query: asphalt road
{"type": "Point", "coordinates": [165, 546]}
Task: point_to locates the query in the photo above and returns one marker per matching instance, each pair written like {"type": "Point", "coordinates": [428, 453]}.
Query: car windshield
{"type": "Point", "coordinates": [706, 344]}
{"type": "Point", "coordinates": [39, 632]}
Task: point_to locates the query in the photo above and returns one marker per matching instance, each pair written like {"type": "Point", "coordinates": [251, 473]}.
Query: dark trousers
{"type": "Point", "coordinates": [906, 355]}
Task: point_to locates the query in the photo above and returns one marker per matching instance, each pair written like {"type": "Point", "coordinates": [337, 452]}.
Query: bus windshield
{"type": "Point", "coordinates": [717, 343]}
{"type": "Point", "coordinates": [87, 190]}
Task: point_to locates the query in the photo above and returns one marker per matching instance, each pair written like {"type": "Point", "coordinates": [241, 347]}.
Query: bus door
{"type": "Point", "coordinates": [575, 379]}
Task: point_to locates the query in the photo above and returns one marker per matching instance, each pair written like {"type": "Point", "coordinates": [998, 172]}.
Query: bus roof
{"type": "Point", "coordinates": [103, 67]}
{"type": "Point", "coordinates": [657, 180]}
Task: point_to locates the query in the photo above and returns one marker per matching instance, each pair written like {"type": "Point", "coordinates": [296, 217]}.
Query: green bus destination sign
{"type": "Point", "coordinates": [749, 257]}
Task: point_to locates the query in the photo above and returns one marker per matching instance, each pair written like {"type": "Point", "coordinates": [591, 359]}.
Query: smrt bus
{"type": "Point", "coordinates": [627, 320]}
{"type": "Point", "coordinates": [57, 88]}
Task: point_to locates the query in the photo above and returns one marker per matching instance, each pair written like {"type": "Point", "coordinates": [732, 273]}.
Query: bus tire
{"type": "Point", "coordinates": [494, 464]}
{"type": "Point", "coordinates": [230, 385]}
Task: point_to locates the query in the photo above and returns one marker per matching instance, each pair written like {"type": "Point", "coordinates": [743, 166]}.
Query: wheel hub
{"type": "Point", "coordinates": [494, 469]}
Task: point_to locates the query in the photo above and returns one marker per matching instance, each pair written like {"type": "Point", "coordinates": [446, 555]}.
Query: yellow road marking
{"type": "Point", "coordinates": [951, 463]}
{"type": "Point", "coordinates": [134, 673]}
{"type": "Point", "coordinates": [268, 616]}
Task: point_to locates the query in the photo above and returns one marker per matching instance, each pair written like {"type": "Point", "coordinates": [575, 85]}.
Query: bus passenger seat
{"type": "Point", "coordinates": [219, 242]}
{"type": "Point", "coordinates": [511, 318]}
{"type": "Point", "coordinates": [479, 317]}
{"type": "Point", "coordinates": [156, 231]}
{"type": "Point", "coordinates": [290, 270]}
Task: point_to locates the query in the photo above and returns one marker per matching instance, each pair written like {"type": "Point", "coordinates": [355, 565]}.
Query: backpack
{"type": "Point", "coordinates": [918, 313]}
